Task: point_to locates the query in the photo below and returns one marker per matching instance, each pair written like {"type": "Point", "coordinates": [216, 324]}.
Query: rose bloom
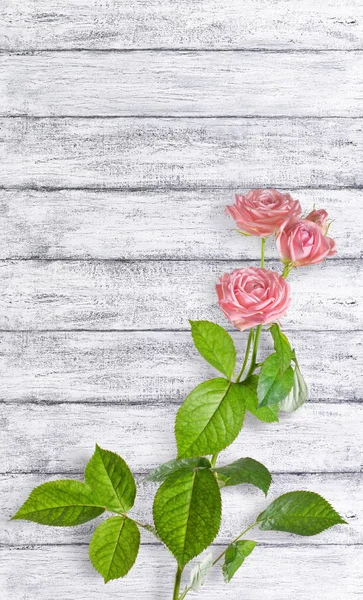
{"type": "Point", "coordinates": [253, 296]}
{"type": "Point", "coordinates": [302, 242]}
{"type": "Point", "coordinates": [262, 212]}
{"type": "Point", "coordinates": [320, 217]}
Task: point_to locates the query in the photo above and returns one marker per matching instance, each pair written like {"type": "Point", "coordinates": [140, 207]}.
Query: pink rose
{"type": "Point", "coordinates": [253, 296]}
{"type": "Point", "coordinates": [262, 212]}
{"type": "Point", "coordinates": [320, 217]}
{"type": "Point", "coordinates": [302, 242]}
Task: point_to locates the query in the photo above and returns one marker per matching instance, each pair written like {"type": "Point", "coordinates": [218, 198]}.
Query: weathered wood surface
{"type": "Point", "coordinates": [162, 295]}
{"type": "Point", "coordinates": [241, 504]}
{"type": "Point", "coordinates": [61, 437]}
{"type": "Point", "coordinates": [181, 153]}
{"type": "Point", "coordinates": [65, 572]}
{"type": "Point", "coordinates": [182, 84]}
{"type": "Point", "coordinates": [156, 367]}
{"type": "Point", "coordinates": [257, 24]}
{"type": "Point", "coordinates": [184, 224]}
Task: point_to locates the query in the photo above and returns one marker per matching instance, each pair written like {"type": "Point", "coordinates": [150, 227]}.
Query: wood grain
{"type": "Point", "coordinates": [184, 224]}
{"type": "Point", "coordinates": [281, 24]}
{"type": "Point", "coordinates": [161, 295]}
{"type": "Point", "coordinates": [61, 437]}
{"type": "Point", "coordinates": [156, 367]}
{"type": "Point", "coordinates": [65, 572]}
{"type": "Point", "coordinates": [182, 84]}
{"type": "Point", "coordinates": [181, 153]}
{"type": "Point", "coordinates": [241, 504]}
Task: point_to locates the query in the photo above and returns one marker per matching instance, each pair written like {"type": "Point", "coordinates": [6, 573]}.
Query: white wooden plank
{"type": "Point", "coordinates": [162, 295]}
{"type": "Point", "coordinates": [182, 153]}
{"type": "Point", "coordinates": [155, 367]}
{"type": "Point", "coordinates": [63, 572]}
{"type": "Point", "coordinates": [184, 224]}
{"type": "Point", "coordinates": [199, 24]}
{"type": "Point", "coordinates": [240, 507]}
{"type": "Point", "coordinates": [182, 84]}
{"type": "Point", "coordinates": [61, 438]}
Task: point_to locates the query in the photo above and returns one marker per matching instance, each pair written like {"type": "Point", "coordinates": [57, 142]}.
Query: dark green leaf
{"type": "Point", "coordinates": [303, 513]}
{"type": "Point", "coordinates": [178, 466]}
{"type": "Point", "coordinates": [298, 395]}
{"type": "Point", "coordinates": [282, 347]}
{"type": "Point", "coordinates": [60, 503]}
{"type": "Point", "coordinates": [273, 387]}
{"type": "Point", "coordinates": [246, 470]}
{"type": "Point", "coordinates": [210, 418]}
{"type": "Point", "coordinates": [235, 556]}
{"type": "Point", "coordinates": [215, 345]}
{"type": "Point", "coordinates": [111, 481]}
{"type": "Point", "coordinates": [114, 547]}
{"type": "Point", "coordinates": [267, 414]}
{"type": "Point", "coordinates": [187, 513]}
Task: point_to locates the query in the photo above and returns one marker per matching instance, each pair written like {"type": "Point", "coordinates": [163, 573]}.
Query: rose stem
{"type": "Point", "coordinates": [178, 576]}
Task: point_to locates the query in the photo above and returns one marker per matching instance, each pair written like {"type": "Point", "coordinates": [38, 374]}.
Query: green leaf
{"type": "Point", "coordinates": [282, 347]}
{"type": "Point", "coordinates": [246, 470]}
{"type": "Point", "coordinates": [298, 395]}
{"type": "Point", "coordinates": [210, 418]}
{"type": "Point", "coordinates": [187, 513]}
{"type": "Point", "coordinates": [111, 481]}
{"type": "Point", "coordinates": [303, 513]}
{"type": "Point", "coordinates": [273, 387]}
{"type": "Point", "coordinates": [60, 503]}
{"type": "Point", "coordinates": [267, 414]}
{"type": "Point", "coordinates": [114, 547]}
{"type": "Point", "coordinates": [215, 345]}
{"type": "Point", "coordinates": [178, 466]}
{"type": "Point", "coordinates": [235, 556]}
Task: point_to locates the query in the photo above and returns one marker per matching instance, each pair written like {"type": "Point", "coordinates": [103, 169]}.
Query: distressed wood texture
{"type": "Point", "coordinates": [156, 367]}
{"type": "Point", "coordinates": [162, 295]}
{"type": "Point", "coordinates": [146, 153]}
{"type": "Point", "coordinates": [61, 437]}
{"type": "Point", "coordinates": [198, 83]}
{"type": "Point", "coordinates": [241, 504]}
{"type": "Point", "coordinates": [184, 224]}
{"type": "Point", "coordinates": [65, 572]}
{"type": "Point", "coordinates": [281, 24]}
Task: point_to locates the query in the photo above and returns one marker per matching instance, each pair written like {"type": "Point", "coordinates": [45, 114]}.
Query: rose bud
{"type": "Point", "coordinates": [302, 242]}
{"type": "Point", "coordinates": [253, 296]}
{"type": "Point", "coordinates": [262, 212]}
{"type": "Point", "coordinates": [320, 217]}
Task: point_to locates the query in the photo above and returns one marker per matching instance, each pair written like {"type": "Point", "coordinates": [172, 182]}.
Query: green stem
{"type": "Point", "coordinates": [233, 541]}
{"type": "Point", "coordinates": [214, 459]}
{"type": "Point", "coordinates": [178, 576]}
{"type": "Point", "coordinates": [249, 343]}
{"type": "Point", "coordinates": [254, 352]}
{"type": "Point", "coordinates": [263, 242]}
{"type": "Point", "coordinates": [286, 271]}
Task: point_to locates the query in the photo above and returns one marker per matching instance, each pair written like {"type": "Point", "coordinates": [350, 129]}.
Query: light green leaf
{"type": "Point", "coordinates": [282, 347]}
{"type": "Point", "coordinates": [273, 387]}
{"type": "Point", "coordinates": [210, 418]}
{"type": "Point", "coordinates": [246, 470]}
{"type": "Point", "coordinates": [303, 513]}
{"type": "Point", "coordinates": [114, 547]}
{"type": "Point", "coordinates": [298, 395]}
{"type": "Point", "coordinates": [178, 466]}
{"type": "Point", "coordinates": [199, 572]}
{"type": "Point", "coordinates": [235, 556]}
{"type": "Point", "coordinates": [60, 503]}
{"type": "Point", "coordinates": [215, 345]}
{"type": "Point", "coordinates": [267, 414]}
{"type": "Point", "coordinates": [111, 480]}
{"type": "Point", "coordinates": [187, 513]}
